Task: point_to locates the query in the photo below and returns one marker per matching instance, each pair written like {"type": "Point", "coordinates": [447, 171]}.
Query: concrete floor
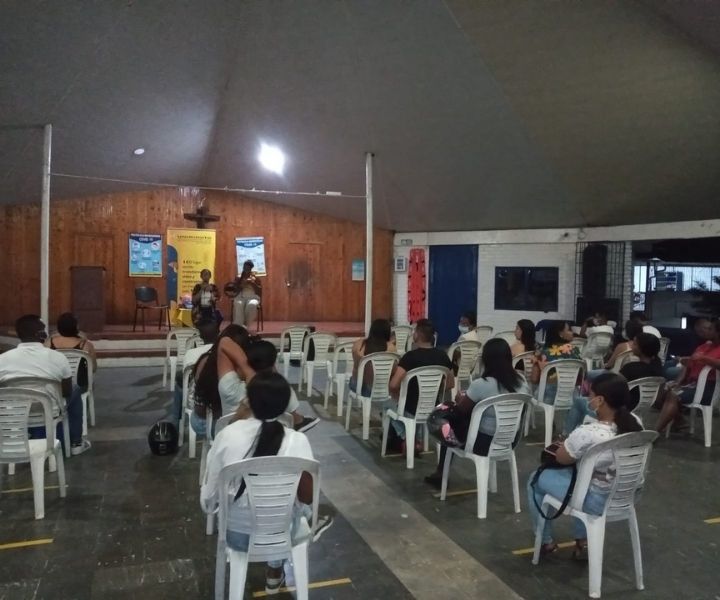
{"type": "Point", "coordinates": [131, 524]}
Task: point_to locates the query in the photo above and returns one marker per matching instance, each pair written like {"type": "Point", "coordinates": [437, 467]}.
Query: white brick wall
{"type": "Point", "coordinates": [524, 255]}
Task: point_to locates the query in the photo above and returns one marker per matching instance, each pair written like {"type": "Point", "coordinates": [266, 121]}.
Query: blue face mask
{"type": "Point", "coordinates": [463, 328]}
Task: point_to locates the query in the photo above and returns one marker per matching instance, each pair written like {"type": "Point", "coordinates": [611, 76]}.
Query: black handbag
{"type": "Point", "coordinates": [548, 460]}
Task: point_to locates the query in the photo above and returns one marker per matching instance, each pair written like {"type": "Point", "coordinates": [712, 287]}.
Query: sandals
{"type": "Point", "coordinates": [580, 552]}
{"type": "Point", "coordinates": [548, 548]}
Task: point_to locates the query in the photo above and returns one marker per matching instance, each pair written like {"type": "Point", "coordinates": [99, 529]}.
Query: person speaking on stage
{"type": "Point", "coordinates": [205, 296]}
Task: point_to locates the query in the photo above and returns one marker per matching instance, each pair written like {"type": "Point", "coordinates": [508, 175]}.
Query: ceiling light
{"type": "Point", "coordinates": [139, 151]}
{"type": "Point", "coordinates": [272, 158]}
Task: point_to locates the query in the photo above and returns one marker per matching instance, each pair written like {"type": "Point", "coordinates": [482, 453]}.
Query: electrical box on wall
{"type": "Point", "coordinates": [400, 264]}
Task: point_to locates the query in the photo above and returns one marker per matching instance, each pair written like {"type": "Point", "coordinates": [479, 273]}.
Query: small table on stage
{"type": "Point", "coordinates": [181, 317]}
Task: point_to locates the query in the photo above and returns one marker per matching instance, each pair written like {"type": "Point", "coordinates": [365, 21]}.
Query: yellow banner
{"type": "Point", "coordinates": [189, 252]}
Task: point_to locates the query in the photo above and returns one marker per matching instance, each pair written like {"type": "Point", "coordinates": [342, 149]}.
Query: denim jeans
{"type": "Point", "coordinates": [366, 391]}
{"type": "Point", "coordinates": [577, 413]}
{"type": "Point", "coordinates": [199, 425]}
{"type": "Point", "coordinates": [672, 372]}
{"type": "Point", "coordinates": [399, 426]}
{"type": "Point", "coordinates": [556, 483]}
{"type": "Point", "coordinates": [75, 419]}
{"type": "Point", "coordinates": [299, 528]}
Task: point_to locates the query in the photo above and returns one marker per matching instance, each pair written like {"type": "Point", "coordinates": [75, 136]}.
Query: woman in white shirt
{"type": "Point", "coordinates": [268, 394]}
{"type": "Point", "coordinates": [609, 398]}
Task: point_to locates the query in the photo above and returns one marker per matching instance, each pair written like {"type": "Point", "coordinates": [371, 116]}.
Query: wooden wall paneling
{"type": "Point", "coordinates": [107, 220]}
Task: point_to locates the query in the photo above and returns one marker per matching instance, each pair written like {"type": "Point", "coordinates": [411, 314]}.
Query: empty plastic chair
{"type": "Point", "coordinates": [596, 348]}
{"type": "Point", "coordinates": [508, 336]}
{"type": "Point", "coordinates": [403, 338]}
{"type": "Point", "coordinates": [15, 445]}
{"type": "Point", "coordinates": [631, 456]}
{"type": "Point", "coordinates": [271, 490]}
{"type": "Point", "coordinates": [382, 366]}
{"type": "Point", "coordinates": [508, 417]}
{"type": "Point", "coordinates": [291, 348]}
{"type": "Point", "coordinates": [322, 342]}
{"type": "Point", "coordinates": [431, 382]}
{"type": "Point", "coordinates": [176, 340]}
{"type": "Point", "coordinates": [484, 333]}
{"type": "Point", "coordinates": [568, 371]}
{"type": "Point", "coordinates": [339, 371]}
{"type": "Point", "coordinates": [467, 362]}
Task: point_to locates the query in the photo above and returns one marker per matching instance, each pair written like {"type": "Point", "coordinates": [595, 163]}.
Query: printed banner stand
{"type": "Point", "coordinates": [189, 251]}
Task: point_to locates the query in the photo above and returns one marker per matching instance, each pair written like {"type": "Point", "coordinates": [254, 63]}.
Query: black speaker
{"type": "Point", "coordinates": [594, 274]}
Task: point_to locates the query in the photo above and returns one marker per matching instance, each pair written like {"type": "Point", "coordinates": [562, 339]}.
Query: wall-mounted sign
{"type": "Point", "coordinates": [145, 252]}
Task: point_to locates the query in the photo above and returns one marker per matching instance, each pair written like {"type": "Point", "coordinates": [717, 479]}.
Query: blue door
{"type": "Point", "coordinates": [452, 288]}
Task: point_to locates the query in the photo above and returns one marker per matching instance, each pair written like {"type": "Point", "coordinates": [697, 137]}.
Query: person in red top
{"type": "Point", "coordinates": [682, 390]}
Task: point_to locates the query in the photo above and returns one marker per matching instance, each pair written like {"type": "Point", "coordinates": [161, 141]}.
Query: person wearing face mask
{"type": "Point", "coordinates": [468, 327]}
{"type": "Point", "coordinates": [557, 346]}
{"type": "Point", "coordinates": [609, 398]}
{"type": "Point", "coordinates": [32, 359]}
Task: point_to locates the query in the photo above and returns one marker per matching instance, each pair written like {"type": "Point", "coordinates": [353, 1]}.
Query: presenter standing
{"type": "Point", "coordinates": [245, 305]}
{"type": "Point", "coordinates": [204, 299]}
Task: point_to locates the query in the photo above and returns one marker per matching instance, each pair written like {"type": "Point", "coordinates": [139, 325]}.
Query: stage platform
{"type": "Point", "coordinates": [119, 345]}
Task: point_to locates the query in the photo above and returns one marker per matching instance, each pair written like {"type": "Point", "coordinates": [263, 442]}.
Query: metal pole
{"type": "Point", "coordinates": [368, 239]}
{"type": "Point", "coordinates": [45, 226]}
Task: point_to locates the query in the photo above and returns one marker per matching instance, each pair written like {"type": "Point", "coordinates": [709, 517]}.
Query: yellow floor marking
{"type": "Point", "coordinates": [29, 489]}
{"type": "Point", "coordinates": [456, 493]}
{"type": "Point", "coordinates": [398, 455]}
{"type": "Point", "coordinates": [531, 550]}
{"type": "Point", "coordinates": [26, 544]}
{"type": "Point", "coordinates": [713, 521]}
{"type": "Point", "coordinates": [535, 444]}
{"type": "Point", "coordinates": [312, 586]}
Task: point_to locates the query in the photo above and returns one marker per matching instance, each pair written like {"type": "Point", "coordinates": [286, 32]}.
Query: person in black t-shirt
{"type": "Point", "coordinates": [423, 355]}
{"type": "Point", "coordinates": [645, 347]}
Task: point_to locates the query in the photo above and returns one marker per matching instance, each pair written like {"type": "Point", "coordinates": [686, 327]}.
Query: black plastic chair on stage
{"type": "Point", "coordinates": [146, 298]}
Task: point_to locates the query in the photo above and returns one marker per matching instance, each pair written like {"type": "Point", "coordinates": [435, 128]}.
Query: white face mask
{"type": "Point", "coordinates": [463, 328]}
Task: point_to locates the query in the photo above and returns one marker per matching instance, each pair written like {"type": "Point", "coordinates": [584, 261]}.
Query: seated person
{"type": "Point", "coordinates": [632, 330]}
{"type": "Point", "coordinates": [261, 358]}
{"type": "Point", "coordinates": [639, 317]}
{"type": "Point", "coordinates": [247, 300]}
{"type": "Point", "coordinates": [682, 390]}
{"type": "Point", "coordinates": [557, 347]}
{"type": "Point", "coordinates": [525, 336]}
{"type": "Point", "coordinates": [209, 331]}
{"type": "Point", "coordinates": [424, 354]}
{"type": "Point", "coordinates": [609, 398]}
{"type": "Point", "coordinates": [378, 340]}
{"type": "Point", "coordinates": [32, 359]}
{"type": "Point", "coordinates": [268, 395]}
{"type": "Point", "coordinates": [596, 324]}
{"type": "Point", "coordinates": [68, 338]}
{"type": "Point", "coordinates": [499, 377]}
{"type": "Point", "coordinates": [468, 327]}
{"type": "Point", "coordinates": [646, 347]}
{"type": "Point", "coordinates": [205, 297]}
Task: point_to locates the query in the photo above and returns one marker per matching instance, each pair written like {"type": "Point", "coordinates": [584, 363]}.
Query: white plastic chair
{"type": "Point", "coordinates": [508, 414]}
{"type": "Point", "coordinates": [569, 371]}
{"type": "Point", "coordinates": [75, 358]}
{"type": "Point", "coordinates": [467, 362]}
{"type": "Point", "coordinates": [579, 343]}
{"type": "Point", "coordinates": [596, 348]}
{"type": "Point", "coordinates": [403, 338]}
{"type": "Point", "coordinates": [631, 456]}
{"type": "Point", "coordinates": [59, 407]}
{"type": "Point", "coordinates": [431, 382]}
{"type": "Point", "coordinates": [664, 347]}
{"type": "Point", "coordinates": [622, 359]}
{"type": "Point", "coordinates": [16, 447]}
{"type": "Point", "coordinates": [337, 376]}
{"type": "Point", "coordinates": [321, 343]}
{"type": "Point", "coordinates": [484, 333]}
{"type": "Point", "coordinates": [188, 405]}
{"type": "Point", "coordinates": [706, 410]}
{"type": "Point", "coordinates": [382, 366]}
{"type": "Point", "coordinates": [649, 390]}
{"type": "Point", "coordinates": [291, 348]}
{"type": "Point", "coordinates": [272, 483]}
{"type": "Point", "coordinates": [528, 362]}
{"type": "Point", "coordinates": [508, 336]}
{"type": "Point", "coordinates": [176, 338]}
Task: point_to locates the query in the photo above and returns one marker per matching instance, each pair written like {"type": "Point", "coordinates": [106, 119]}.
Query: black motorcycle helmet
{"type": "Point", "coordinates": [163, 438]}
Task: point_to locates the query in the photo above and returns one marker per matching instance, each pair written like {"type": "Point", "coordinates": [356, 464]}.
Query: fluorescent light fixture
{"type": "Point", "coordinates": [139, 151]}
{"type": "Point", "coordinates": [272, 158]}
{"type": "Point", "coordinates": [683, 323]}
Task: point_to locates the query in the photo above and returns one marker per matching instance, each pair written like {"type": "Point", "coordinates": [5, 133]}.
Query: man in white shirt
{"type": "Point", "coordinates": [32, 359]}
{"type": "Point", "coordinates": [209, 331]}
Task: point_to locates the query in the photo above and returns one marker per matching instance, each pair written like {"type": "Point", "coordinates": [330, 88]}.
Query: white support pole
{"type": "Point", "coordinates": [368, 239]}
{"type": "Point", "coordinates": [45, 226]}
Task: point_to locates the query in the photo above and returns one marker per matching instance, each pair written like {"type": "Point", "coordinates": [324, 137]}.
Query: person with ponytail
{"type": "Point", "coordinates": [268, 394]}
{"type": "Point", "coordinates": [609, 398]}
